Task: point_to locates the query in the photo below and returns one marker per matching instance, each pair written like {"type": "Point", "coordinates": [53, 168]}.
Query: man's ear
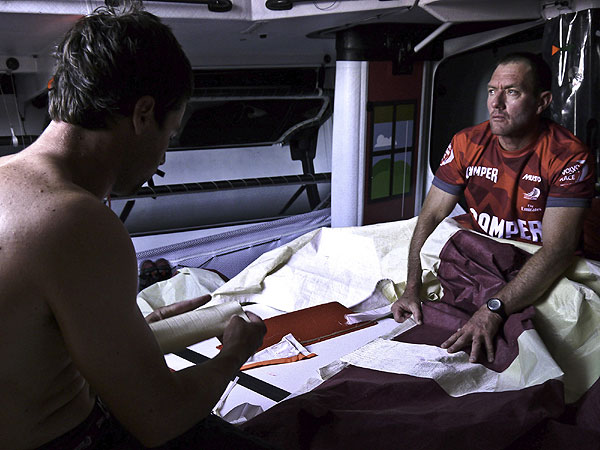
{"type": "Point", "coordinates": [544, 101]}
{"type": "Point", "coordinates": [143, 114]}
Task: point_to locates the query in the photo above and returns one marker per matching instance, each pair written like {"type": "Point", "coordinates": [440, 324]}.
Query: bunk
{"type": "Point", "coordinates": [389, 385]}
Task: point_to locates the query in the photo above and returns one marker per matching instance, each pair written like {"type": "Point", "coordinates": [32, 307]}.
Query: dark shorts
{"type": "Point", "coordinates": [101, 431]}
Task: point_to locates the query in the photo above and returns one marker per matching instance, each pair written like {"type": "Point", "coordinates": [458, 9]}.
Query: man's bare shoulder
{"type": "Point", "coordinates": [54, 225]}
{"type": "Point", "coordinates": [66, 219]}
{"type": "Point", "coordinates": [36, 189]}
{"type": "Point", "coordinates": [87, 238]}
{"type": "Point", "coordinates": [77, 214]}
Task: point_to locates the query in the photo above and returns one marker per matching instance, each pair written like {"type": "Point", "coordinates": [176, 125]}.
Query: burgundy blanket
{"type": "Point", "coordinates": [365, 409]}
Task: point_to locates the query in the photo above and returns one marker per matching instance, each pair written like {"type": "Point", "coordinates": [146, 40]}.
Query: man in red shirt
{"type": "Point", "coordinates": [524, 178]}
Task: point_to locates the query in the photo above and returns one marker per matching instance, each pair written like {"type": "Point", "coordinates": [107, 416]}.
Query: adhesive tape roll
{"type": "Point", "coordinates": [176, 333]}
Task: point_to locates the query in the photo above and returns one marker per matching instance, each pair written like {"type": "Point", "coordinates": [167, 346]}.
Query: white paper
{"type": "Point", "coordinates": [242, 413]}
{"type": "Point", "coordinates": [288, 347]}
{"type": "Point", "coordinates": [453, 371]}
{"type": "Point", "coordinates": [374, 314]}
{"type": "Point", "coordinates": [221, 402]}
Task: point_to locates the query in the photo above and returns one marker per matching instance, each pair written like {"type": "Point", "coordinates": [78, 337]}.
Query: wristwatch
{"type": "Point", "coordinates": [495, 305]}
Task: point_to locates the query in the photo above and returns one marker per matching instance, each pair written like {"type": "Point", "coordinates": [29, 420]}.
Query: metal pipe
{"type": "Point", "coordinates": [212, 186]}
{"type": "Point", "coordinates": [443, 27]}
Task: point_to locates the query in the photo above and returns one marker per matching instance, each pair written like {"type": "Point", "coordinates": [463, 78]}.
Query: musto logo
{"type": "Point", "coordinates": [530, 230]}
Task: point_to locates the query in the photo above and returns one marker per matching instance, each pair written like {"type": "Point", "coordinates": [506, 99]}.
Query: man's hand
{"type": "Point", "coordinates": [177, 308]}
{"type": "Point", "coordinates": [408, 305]}
{"type": "Point", "coordinates": [480, 329]}
{"type": "Point", "coordinates": [438, 204]}
{"type": "Point", "coordinates": [242, 337]}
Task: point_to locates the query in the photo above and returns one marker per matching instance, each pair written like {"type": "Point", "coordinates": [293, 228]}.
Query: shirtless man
{"type": "Point", "coordinates": [70, 330]}
{"type": "Point", "coordinates": [523, 177]}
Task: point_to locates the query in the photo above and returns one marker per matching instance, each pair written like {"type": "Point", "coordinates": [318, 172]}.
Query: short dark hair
{"type": "Point", "coordinates": [542, 75]}
{"type": "Point", "coordinates": [110, 59]}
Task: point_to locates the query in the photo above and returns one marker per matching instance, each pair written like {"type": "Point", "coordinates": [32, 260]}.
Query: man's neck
{"type": "Point", "coordinates": [516, 143]}
{"type": "Point", "coordinates": [82, 155]}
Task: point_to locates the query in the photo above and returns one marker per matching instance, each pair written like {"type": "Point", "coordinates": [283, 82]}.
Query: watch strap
{"type": "Point", "coordinates": [496, 305]}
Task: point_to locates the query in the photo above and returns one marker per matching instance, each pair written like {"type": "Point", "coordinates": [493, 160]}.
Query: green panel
{"type": "Point", "coordinates": [402, 177]}
{"type": "Point", "coordinates": [405, 112]}
{"type": "Point", "coordinates": [383, 114]}
{"type": "Point", "coordinates": [380, 183]}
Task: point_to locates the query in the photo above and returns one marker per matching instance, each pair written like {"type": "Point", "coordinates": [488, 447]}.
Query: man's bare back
{"type": "Point", "coordinates": [46, 394]}
{"type": "Point", "coordinates": [69, 317]}
{"type": "Point", "coordinates": [70, 328]}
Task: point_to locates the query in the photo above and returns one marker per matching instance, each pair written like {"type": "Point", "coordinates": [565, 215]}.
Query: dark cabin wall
{"type": "Point", "coordinates": [24, 107]}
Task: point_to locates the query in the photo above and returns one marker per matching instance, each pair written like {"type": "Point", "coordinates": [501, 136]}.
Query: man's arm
{"type": "Point", "coordinates": [175, 309]}
{"type": "Point", "coordinates": [92, 279]}
{"type": "Point", "coordinates": [561, 229]}
{"type": "Point", "coordinates": [438, 204]}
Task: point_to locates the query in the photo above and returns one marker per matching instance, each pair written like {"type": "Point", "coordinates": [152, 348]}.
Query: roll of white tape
{"type": "Point", "coordinates": [178, 332]}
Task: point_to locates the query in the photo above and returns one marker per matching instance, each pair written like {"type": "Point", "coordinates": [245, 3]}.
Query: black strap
{"type": "Point", "coordinates": [248, 381]}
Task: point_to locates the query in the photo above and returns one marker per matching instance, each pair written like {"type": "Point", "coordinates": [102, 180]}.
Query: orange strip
{"type": "Point", "coordinates": [269, 362]}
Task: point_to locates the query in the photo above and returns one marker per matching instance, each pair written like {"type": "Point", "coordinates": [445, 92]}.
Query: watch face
{"type": "Point", "coordinates": [494, 304]}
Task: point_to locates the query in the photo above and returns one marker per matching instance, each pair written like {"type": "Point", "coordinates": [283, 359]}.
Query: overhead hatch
{"type": "Point", "coordinates": [252, 107]}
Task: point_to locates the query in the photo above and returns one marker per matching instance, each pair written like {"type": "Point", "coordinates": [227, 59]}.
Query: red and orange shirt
{"type": "Point", "coordinates": [507, 191]}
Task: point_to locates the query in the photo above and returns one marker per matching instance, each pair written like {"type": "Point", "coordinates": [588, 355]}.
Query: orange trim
{"type": "Point", "coordinates": [269, 362]}
{"type": "Point", "coordinates": [555, 49]}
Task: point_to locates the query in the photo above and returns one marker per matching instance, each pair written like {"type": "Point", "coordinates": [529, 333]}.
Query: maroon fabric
{"type": "Point", "coordinates": [587, 410]}
{"type": "Point", "coordinates": [473, 268]}
{"type": "Point", "coordinates": [577, 428]}
{"type": "Point", "coordinates": [365, 409]}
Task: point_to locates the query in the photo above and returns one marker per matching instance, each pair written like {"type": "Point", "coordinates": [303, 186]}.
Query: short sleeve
{"type": "Point", "coordinates": [573, 182]}
{"type": "Point", "coordinates": [450, 177]}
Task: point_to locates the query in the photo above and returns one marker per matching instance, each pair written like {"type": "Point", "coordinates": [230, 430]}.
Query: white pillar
{"type": "Point", "coordinates": [348, 152]}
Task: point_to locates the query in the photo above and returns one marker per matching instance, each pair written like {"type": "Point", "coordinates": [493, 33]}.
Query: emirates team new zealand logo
{"type": "Point", "coordinates": [533, 195]}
